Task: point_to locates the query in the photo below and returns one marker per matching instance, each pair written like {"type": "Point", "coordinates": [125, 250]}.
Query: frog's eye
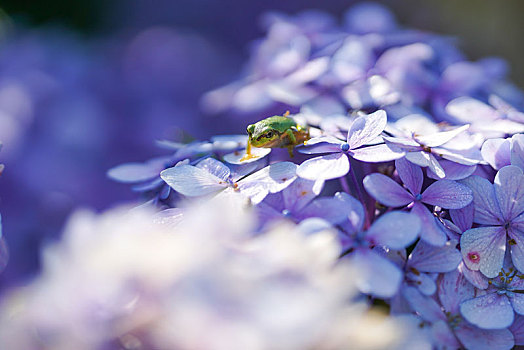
{"type": "Point", "coordinates": [269, 134]}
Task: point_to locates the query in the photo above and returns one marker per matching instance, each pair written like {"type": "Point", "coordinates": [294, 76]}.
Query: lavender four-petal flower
{"type": "Point", "coordinates": [500, 207]}
{"type": "Point", "coordinates": [364, 130]}
{"type": "Point", "coordinates": [443, 193]}
{"type": "Point", "coordinates": [376, 275]}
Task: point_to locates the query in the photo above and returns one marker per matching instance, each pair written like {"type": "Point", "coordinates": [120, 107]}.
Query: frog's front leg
{"type": "Point", "coordinates": [292, 142]}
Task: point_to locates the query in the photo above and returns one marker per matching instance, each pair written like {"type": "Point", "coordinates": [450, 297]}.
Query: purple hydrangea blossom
{"type": "Point", "coordinates": [448, 327]}
{"type": "Point", "coordinates": [499, 208]}
{"type": "Point", "coordinates": [495, 306]}
{"type": "Point", "coordinates": [364, 130]}
{"type": "Point", "coordinates": [377, 276]}
{"type": "Point", "coordinates": [443, 193]}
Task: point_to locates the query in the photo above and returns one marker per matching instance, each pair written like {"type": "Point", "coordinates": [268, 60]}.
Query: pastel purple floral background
{"type": "Point", "coordinates": [403, 215]}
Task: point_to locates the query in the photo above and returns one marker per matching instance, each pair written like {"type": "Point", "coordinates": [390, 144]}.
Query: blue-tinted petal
{"type": "Point", "coordinates": [323, 144]}
{"type": "Point", "coordinates": [487, 209]}
{"type": "Point", "coordinates": [395, 230]}
{"type": "Point", "coordinates": [137, 172]}
{"type": "Point", "coordinates": [454, 288]}
{"type": "Point", "coordinates": [366, 128]}
{"type": "Point", "coordinates": [517, 328]}
{"type": "Point", "coordinates": [453, 171]}
{"type": "Point", "coordinates": [386, 191]}
{"type": "Point", "coordinates": [256, 154]}
{"type": "Point", "coordinates": [214, 167]}
{"type": "Point", "coordinates": [300, 193]}
{"type": "Point", "coordinates": [496, 152]}
{"type": "Point", "coordinates": [192, 181]}
{"type": "Point", "coordinates": [410, 174]}
{"type": "Point", "coordinates": [354, 211]}
{"type": "Point", "coordinates": [425, 306]}
{"type": "Point", "coordinates": [447, 194]}
{"type": "Point", "coordinates": [489, 311]}
{"type": "Point", "coordinates": [517, 249]}
{"type": "Point", "coordinates": [327, 208]}
{"type": "Point", "coordinates": [483, 249]}
{"type": "Point", "coordinates": [517, 151]}
{"type": "Point", "coordinates": [509, 190]}
{"type": "Point", "coordinates": [428, 258]}
{"type": "Point", "coordinates": [440, 138]}
{"type": "Point", "coordinates": [484, 339]}
{"type": "Point", "coordinates": [375, 275]}
{"type": "Point", "coordinates": [463, 217]}
{"type": "Point", "coordinates": [327, 167]}
{"type": "Point", "coordinates": [432, 231]}
{"type": "Point", "coordinates": [271, 179]}
{"type": "Point", "coordinates": [377, 153]}
{"type": "Point", "coordinates": [476, 278]}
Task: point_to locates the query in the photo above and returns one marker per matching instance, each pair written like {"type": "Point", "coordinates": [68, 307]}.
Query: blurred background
{"type": "Point", "coordinates": [87, 85]}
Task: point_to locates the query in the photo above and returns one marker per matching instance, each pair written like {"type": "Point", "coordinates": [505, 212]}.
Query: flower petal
{"type": "Point", "coordinates": [447, 194]}
{"type": "Point", "coordinates": [410, 174]}
{"type": "Point", "coordinates": [377, 153]}
{"type": "Point", "coordinates": [428, 258]}
{"type": "Point", "coordinates": [517, 249]}
{"type": "Point", "coordinates": [354, 211]}
{"type": "Point", "coordinates": [192, 181]}
{"type": "Point", "coordinates": [463, 217]}
{"type": "Point", "coordinates": [323, 144]}
{"type": "Point", "coordinates": [214, 167]}
{"type": "Point", "coordinates": [327, 167]}
{"type": "Point", "coordinates": [432, 231]}
{"type": "Point", "coordinates": [443, 335]}
{"type": "Point", "coordinates": [425, 306]}
{"type": "Point", "coordinates": [483, 249]}
{"type": "Point", "coordinates": [517, 328]}
{"type": "Point", "coordinates": [517, 151]}
{"type": "Point", "coordinates": [454, 288]}
{"type": "Point", "coordinates": [468, 109]}
{"type": "Point", "coordinates": [386, 191]}
{"type": "Point", "coordinates": [366, 128]}
{"type": "Point", "coordinates": [509, 189]}
{"type": "Point", "coordinates": [395, 230]}
{"type": "Point", "coordinates": [137, 172]}
{"type": "Point", "coordinates": [487, 209]}
{"type": "Point", "coordinates": [256, 154]}
{"type": "Point", "coordinates": [484, 339]}
{"type": "Point", "coordinates": [271, 179]}
{"type": "Point", "coordinates": [453, 171]}
{"type": "Point", "coordinates": [440, 138]}
{"type": "Point", "coordinates": [376, 275]}
{"type": "Point", "coordinates": [327, 208]}
{"type": "Point", "coordinates": [300, 193]}
{"type": "Point", "coordinates": [490, 311]}
{"type": "Point", "coordinates": [496, 152]}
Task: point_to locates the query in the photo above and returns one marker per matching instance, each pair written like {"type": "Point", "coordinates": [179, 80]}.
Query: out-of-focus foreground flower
{"type": "Point", "coordinates": [136, 280]}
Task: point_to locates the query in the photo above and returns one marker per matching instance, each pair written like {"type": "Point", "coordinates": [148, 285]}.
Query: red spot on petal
{"type": "Point", "coordinates": [474, 257]}
{"type": "Point", "coordinates": [303, 193]}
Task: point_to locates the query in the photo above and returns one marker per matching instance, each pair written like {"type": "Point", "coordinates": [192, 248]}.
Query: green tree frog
{"type": "Point", "coordinates": [276, 131]}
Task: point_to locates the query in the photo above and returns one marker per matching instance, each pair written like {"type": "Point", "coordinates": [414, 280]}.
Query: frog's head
{"type": "Point", "coordinates": [262, 135]}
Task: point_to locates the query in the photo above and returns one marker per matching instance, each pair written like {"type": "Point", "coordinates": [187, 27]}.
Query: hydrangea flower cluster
{"type": "Point", "coordinates": [415, 160]}
{"type": "Point", "coordinates": [409, 195]}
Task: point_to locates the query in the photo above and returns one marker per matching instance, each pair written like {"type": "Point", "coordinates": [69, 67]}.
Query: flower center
{"type": "Point", "coordinates": [418, 197]}
{"type": "Point", "coordinates": [286, 213]}
{"type": "Point", "coordinates": [474, 257]}
{"type": "Point", "coordinates": [344, 147]}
